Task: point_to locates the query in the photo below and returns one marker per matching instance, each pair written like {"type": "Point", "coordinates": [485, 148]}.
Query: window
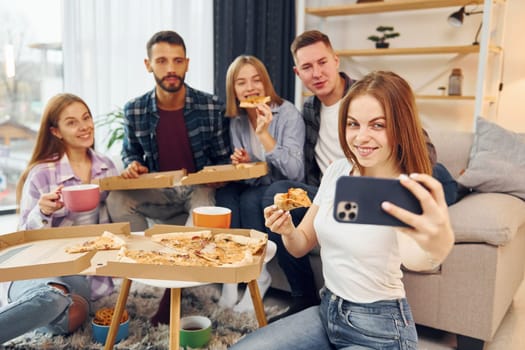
{"type": "Point", "coordinates": [31, 72]}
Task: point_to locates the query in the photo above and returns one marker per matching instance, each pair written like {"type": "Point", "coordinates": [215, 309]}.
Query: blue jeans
{"type": "Point", "coordinates": [298, 271]}
{"type": "Point", "coordinates": [245, 204]}
{"type": "Point", "coordinates": [34, 304]}
{"type": "Point", "coordinates": [339, 324]}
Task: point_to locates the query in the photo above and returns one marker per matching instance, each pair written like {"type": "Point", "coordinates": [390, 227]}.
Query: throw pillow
{"type": "Point", "coordinates": [496, 162]}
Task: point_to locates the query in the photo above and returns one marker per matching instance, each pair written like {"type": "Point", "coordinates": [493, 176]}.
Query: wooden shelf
{"type": "Point", "coordinates": [489, 99]}
{"type": "Point", "coordinates": [386, 6]}
{"type": "Point", "coordinates": [444, 97]}
{"type": "Point", "coordinates": [485, 50]}
{"type": "Point", "coordinates": [416, 51]}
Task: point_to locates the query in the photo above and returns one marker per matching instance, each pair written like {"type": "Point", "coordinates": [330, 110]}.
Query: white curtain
{"type": "Point", "coordinates": [104, 46]}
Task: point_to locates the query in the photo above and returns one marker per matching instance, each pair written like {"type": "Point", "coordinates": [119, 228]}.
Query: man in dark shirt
{"type": "Point", "coordinates": [170, 127]}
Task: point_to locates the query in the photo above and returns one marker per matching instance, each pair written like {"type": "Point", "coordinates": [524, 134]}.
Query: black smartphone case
{"type": "Point", "coordinates": [358, 200]}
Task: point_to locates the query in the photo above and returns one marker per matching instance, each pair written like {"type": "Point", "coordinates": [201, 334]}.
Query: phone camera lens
{"type": "Point", "coordinates": [341, 215]}
{"type": "Point", "coordinates": [348, 206]}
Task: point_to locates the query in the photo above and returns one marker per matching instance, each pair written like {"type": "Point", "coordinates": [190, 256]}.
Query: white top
{"type": "Point", "coordinates": [327, 148]}
{"type": "Point", "coordinates": [361, 263]}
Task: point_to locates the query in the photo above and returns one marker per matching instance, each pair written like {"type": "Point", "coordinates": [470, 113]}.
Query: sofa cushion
{"type": "Point", "coordinates": [453, 149]}
{"type": "Point", "coordinates": [496, 162]}
{"type": "Point", "coordinates": [492, 218]}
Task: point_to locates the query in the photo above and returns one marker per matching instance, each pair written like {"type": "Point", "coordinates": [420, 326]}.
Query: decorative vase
{"type": "Point", "coordinates": [380, 45]}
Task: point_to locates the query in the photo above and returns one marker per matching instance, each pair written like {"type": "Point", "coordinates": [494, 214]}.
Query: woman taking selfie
{"type": "Point", "coordinates": [363, 303]}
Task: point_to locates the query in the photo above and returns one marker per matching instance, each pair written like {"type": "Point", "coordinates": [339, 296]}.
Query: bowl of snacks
{"type": "Point", "coordinates": [102, 321]}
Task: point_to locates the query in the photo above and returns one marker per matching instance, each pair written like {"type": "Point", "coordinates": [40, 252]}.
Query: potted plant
{"type": "Point", "coordinates": [112, 125]}
{"type": "Point", "coordinates": [386, 33]}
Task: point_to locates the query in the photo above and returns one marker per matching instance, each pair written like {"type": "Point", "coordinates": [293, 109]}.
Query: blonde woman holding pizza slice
{"type": "Point", "coordinates": [268, 129]}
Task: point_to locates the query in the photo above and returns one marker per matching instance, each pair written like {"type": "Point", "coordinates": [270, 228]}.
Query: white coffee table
{"type": "Point", "coordinates": [175, 292]}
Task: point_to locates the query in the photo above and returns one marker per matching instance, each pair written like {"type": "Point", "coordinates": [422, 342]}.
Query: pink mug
{"type": "Point", "coordinates": [83, 197]}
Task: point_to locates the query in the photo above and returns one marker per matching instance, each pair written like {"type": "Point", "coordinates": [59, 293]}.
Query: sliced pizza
{"type": "Point", "coordinates": [231, 241]}
{"type": "Point", "coordinates": [254, 101]}
{"type": "Point", "coordinates": [222, 249]}
{"type": "Point", "coordinates": [106, 241]}
{"type": "Point", "coordinates": [294, 198]}
{"type": "Point", "coordinates": [184, 241]}
{"type": "Point", "coordinates": [155, 257]}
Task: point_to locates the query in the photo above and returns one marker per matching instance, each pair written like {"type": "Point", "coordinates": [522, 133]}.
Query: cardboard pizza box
{"type": "Point", "coordinates": [151, 180]}
{"type": "Point", "coordinates": [226, 172]}
{"type": "Point", "coordinates": [164, 179]}
{"type": "Point", "coordinates": [245, 273]}
{"type": "Point", "coordinates": [41, 253]}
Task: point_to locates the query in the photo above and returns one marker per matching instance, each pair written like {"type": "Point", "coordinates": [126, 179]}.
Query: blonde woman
{"type": "Point", "coordinates": [272, 132]}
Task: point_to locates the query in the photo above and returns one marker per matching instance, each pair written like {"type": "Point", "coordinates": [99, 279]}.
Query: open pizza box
{"type": "Point", "coordinates": [226, 172]}
{"type": "Point", "coordinates": [244, 273]}
{"type": "Point", "coordinates": [151, 180]}
{"type": "Point", "coordinates": [163, 179]}
{"type": "Point", "coordinates": [41, 253]}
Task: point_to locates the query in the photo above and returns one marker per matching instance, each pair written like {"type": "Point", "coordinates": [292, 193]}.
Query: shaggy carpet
{"type": "Point", "coordinates": [227, 327]}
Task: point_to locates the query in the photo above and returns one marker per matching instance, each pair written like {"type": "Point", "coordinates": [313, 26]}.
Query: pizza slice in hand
{"type": "Point", "coordinates": [254, 101]}
{"type": "Point", "coordinates": [107, 241]}
{"type": "Point", "coordinates": [294, 198]}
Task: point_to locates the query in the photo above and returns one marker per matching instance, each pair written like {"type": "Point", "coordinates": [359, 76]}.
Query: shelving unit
{"type": "Point", "coordinates": [487, 45]}
{"type": "Point", "coordinates": [431, 50]}
{"type": "Point", "coordinates": [387, 6]}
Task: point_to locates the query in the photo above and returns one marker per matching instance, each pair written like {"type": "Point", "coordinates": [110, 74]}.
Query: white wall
{"type": "Point", "coordinates": [427, 72]}
{"type": "Point", "coordinates": [511, 108]}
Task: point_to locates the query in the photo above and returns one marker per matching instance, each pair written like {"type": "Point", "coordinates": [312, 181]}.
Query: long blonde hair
{"type": "Point", "coordinates": [404, 128]}
{"type": "Point", "coordinates": [232, 103]}
{"type": "Point", "coordinates": [48, 147]}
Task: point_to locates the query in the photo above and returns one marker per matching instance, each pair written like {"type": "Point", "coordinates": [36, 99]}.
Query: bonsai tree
{"type": "Point", "coordinates": [387, 33]}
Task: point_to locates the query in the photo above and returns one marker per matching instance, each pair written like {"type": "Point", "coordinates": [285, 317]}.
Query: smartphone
{"type": "Point", "coordinates": [358, 200]}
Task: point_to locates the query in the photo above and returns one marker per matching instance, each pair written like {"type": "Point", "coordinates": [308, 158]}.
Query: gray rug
{"type": "Point", "coordinates": [228, 326]}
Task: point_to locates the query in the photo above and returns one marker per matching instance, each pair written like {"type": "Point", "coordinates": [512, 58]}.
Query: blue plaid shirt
{"type": "Point", "coordinates": [204, 117]}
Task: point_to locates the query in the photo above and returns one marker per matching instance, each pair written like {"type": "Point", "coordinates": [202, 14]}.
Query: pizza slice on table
{"type": "Point", "coordinates": [156, 257]}
{"type": "Point", "coordinates": [254, 101]}
{"type": "Point", "coordinates": [294, 198]}
{"type": "Point", "coordinates": [235, 242]}
{"type": "Point", "coordinates": [106, 241]}
{"type": "Point", "coordinates": [183, 241]}
{"type": "Point", "coordinates": [222, 249]}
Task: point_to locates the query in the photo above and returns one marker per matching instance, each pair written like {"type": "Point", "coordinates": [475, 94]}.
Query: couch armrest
{"type": "Point", "coordinates": [492, 218]}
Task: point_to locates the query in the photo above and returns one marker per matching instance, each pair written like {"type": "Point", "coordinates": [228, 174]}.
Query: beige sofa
{"type": "Point", "coordinates": [474, 287]}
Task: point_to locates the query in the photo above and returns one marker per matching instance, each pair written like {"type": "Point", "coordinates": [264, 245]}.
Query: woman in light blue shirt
{"type": "Point", "coordinates": [270, 132]}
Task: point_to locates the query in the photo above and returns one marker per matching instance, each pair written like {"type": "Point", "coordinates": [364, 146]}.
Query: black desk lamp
{"type": "Point", "coordinates": [456, 20]}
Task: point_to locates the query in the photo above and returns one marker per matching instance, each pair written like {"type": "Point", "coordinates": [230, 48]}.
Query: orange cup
{"type": "Point", "coordinates": [215, 217]}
